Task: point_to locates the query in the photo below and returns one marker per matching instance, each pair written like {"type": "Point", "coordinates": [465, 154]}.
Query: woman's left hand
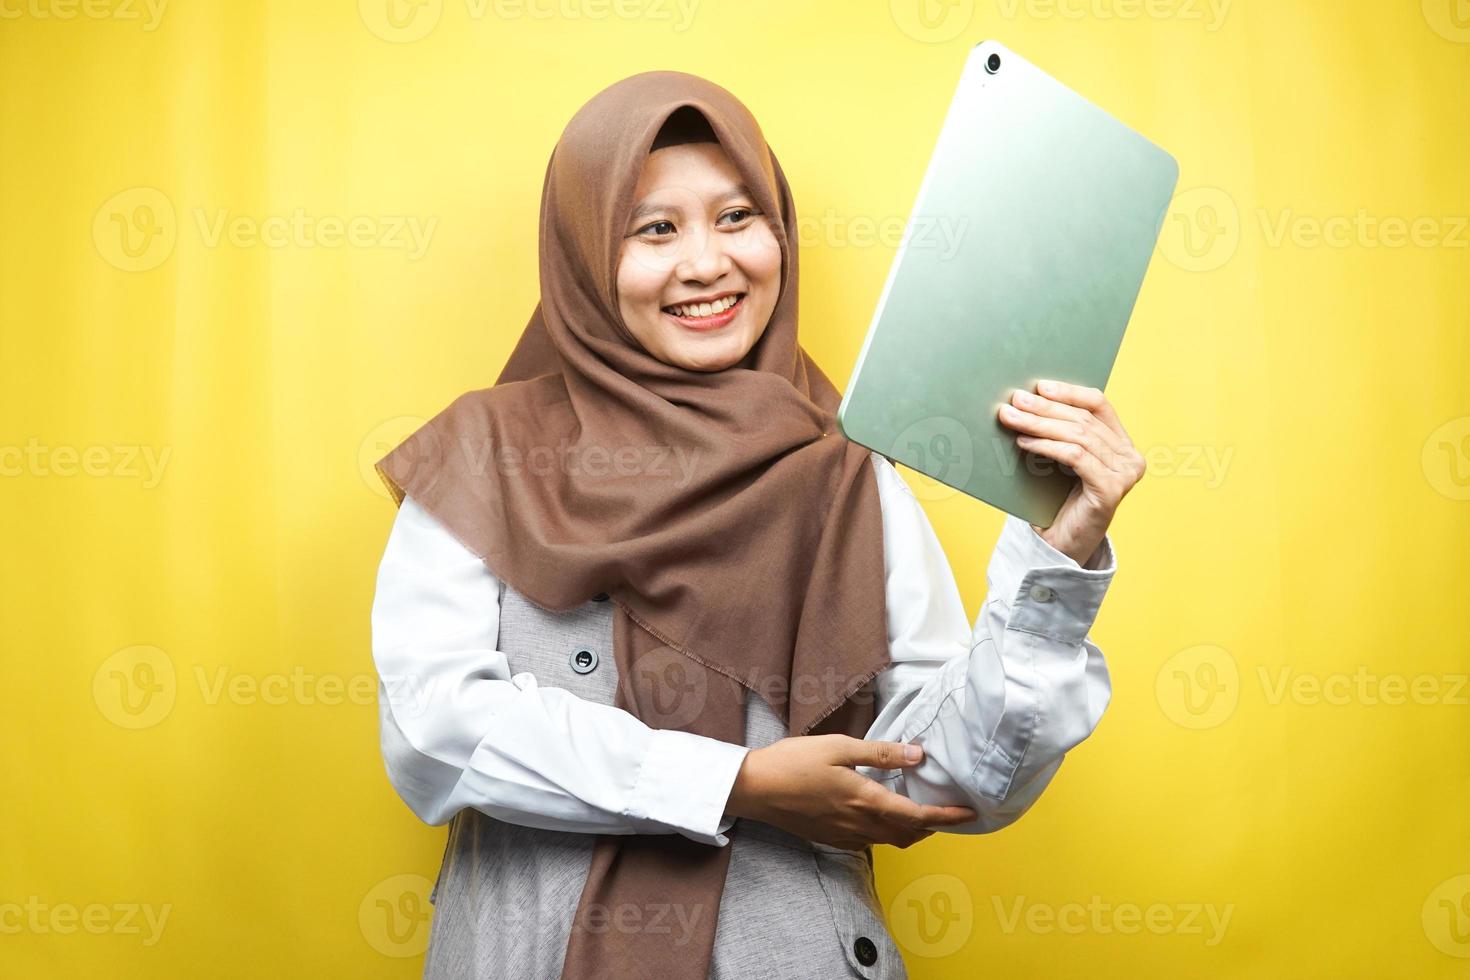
{"type": "Point", "coordinates": [1076, 425]}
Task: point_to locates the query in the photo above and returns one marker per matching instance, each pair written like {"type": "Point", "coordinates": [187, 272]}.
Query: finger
{"type": "Point", "coordinates": [1086, 397]}
{"type": "Point", "coordinates": [945, 816]}
{"type": "Point", "coordinates": [877, 755]}
{"type": "Point", "coordinates": [1091, 435]}
{"type": "Point", "coordinates": [895, 808]}
{"type": "Point", "coordinates": [1044, 407]}
{"type": "Point", "coordinates": [1091, 469]}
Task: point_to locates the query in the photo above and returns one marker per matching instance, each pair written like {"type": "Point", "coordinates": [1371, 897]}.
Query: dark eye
{"type": "Point", "coordinates": [657, 224]}
{"type": "Point", "coordinates": [745, 211]}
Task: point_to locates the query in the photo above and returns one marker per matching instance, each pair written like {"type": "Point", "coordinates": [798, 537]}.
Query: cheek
{"type": "Point", "coordinates": [760, 255]}
{"type": "Point", "coordinates": [640, 279]}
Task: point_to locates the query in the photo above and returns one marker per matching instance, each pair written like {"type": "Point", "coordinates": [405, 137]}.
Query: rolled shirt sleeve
{"type": "Point", "coordinates": [997, 704]}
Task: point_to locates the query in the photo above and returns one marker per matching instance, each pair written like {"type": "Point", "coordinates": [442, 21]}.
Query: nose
{"type": "Point", "coordinates": [703, 259]}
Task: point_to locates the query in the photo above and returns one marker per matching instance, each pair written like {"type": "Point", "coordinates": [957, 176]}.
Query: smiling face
{"type": "Point", "coordinates": [696, 243]}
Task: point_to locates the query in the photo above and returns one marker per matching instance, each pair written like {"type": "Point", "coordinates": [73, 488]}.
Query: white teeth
{"type": "Point", "coordinates": [705, 309]}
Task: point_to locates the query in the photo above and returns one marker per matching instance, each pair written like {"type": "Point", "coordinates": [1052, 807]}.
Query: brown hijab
{"type": "Point", "coordinates": [737, 531]}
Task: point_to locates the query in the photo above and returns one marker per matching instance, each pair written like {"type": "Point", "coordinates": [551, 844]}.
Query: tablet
{"type": "Point", "coordinates": [1021, 260]}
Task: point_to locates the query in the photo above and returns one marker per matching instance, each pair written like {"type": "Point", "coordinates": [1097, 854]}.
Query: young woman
{"type": "Point", "coordinates": [671, 652]}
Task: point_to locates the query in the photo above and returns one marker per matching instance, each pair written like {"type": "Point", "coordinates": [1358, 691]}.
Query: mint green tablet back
{"type": "Point", "coordinates": [1026, 249]}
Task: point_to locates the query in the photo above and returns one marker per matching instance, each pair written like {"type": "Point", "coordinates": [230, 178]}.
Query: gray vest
{"type": "Point", "coordinates": [792, 909]}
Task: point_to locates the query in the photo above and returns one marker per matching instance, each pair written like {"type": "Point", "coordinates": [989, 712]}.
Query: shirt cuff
{"type": "Point", "coordinates": [685, 781]}
{"type": "Point", "coordinates": [1050, 594]}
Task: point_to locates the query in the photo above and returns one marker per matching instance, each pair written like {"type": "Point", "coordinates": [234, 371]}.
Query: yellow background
{"type": "Point", "coordinates": [188, 714]}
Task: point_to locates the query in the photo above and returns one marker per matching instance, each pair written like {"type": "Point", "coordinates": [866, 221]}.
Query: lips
{"type": "Point", "coordinates": [725, 297]}
{"type": "Point", "coordinates": [711, 322]}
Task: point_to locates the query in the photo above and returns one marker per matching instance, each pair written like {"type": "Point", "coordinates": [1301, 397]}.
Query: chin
{"type": "Point", "coordinates": [714, 355]}
{"type": "Point", "coordinates": [734, 354]}
{"type": "Point", "coordinates": [708, 363]}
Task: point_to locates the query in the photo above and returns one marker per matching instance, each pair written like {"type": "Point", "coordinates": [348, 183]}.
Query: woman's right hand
{"type": "Point", "coordinates": [805, 784]}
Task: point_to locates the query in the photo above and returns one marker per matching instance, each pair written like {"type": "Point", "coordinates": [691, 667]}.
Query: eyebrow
{"type": "Point", "coordinates": [643, 210]}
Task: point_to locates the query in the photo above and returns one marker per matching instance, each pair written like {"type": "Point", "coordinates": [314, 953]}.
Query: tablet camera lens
{"type": "Point", "coordinates": [992, 64]}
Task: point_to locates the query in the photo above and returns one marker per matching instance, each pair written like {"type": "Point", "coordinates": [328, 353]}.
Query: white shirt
{"type": "Point", "coordinates": [995, 704]}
